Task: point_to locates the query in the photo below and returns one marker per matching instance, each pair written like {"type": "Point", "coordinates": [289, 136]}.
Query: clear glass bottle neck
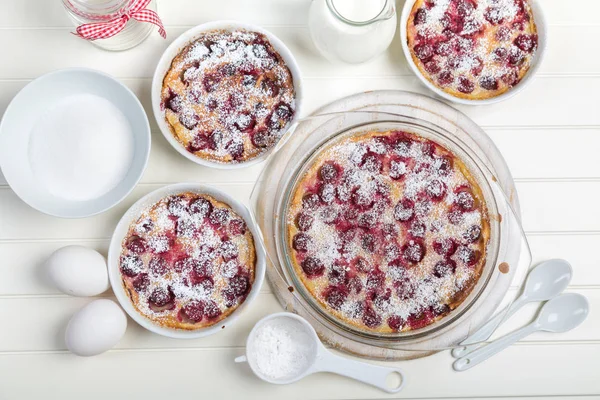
{"type": "Point", "coordinates": [387, 11]}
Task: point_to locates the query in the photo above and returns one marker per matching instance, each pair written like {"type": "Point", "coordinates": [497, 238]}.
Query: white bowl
{"type": "Point", "coordinates": [186, 38]}
{"type": "Point", "coordinates": [114, 253]}
{"type": "Point", "coordinates": [540, 21]}
{"type": "Point", "coordinates": [32, 102]}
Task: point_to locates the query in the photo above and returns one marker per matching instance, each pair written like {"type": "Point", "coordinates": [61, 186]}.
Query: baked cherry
{"type": "Point", "coordinates": [370, 318]}
{"type": "Point", "coordinates": [312, 267]}
{"type": "Point", "coordinates": [445, 78]}
{"type": "Point", "coordinates": [216, 140]}
{"type": "Point", "coordinates": [335, 296]}
{"type": "Point", "coordinates": [404, 289]}
{"type": "Point", "coordinates": [444, 246]}
{"type": "Point", "coordinates": [464, 199]}
{"type": "Point", "coordinates": [327, 193]}
{"type": "Point", "coordinates": [355, 285]}
{"type": "Point", "coordinates": [193, 311]}
{"type": "Point", "coordinates": [442, 48]}
{"type": "Point", "coordinates": [525, 42]}
{"type": "Point", "coordinates": [141, 283]}
{"type": "Point", "coordinates": [261, 138]}
{"type": "Point", "coordinates": [436, 189]}
{"type": "Point", "coordinates": [493, 15]}
{"type": "Point", "coordinates": [372, 163]}
{"type": "Point", "coordinates": [489, 83]}
{"type": "Point", "coordinates": [177, 205]}
{"type": "Point", "coordinates": [237, 227]}
{"type": "Point", "coordinates": [329, 172]}
{"type": "Point", "coordinates": [375, 279]}
{"type": "Point", "coordinates": [442, 165]}
{"type": "Point", "coordinates": [465, 85]}
{"type": "Point", "coordinates": [311, 201]}
{"type": "Point", "coordinates": [201, 141]}
{"type": "Point", "coordinates": [160, 297]}
{"type": "Point", "coordinates": [362, 199]}
{"type": "Point", "coordinates": [368, 220]}
{"type": "Point", "coordinates": [329, 215]}
{"type": "Point", "coordinates": [455, 215]}
{"type": "Point", "coordinates": [472, 234]}
{"type": "Point", "coordinates": [515, 56]}
{"type": "Point", "coordinates": [158, 265]}
{"type": "Point", "coordinates": [229, 250]}
{"type": "Point", "coordinates": [468, 256]}
{"type": "Point", "coordinates": [417, 229]}
{"type": "Point", "coordinates": [210, 82]}
{"type": "Point", "coordinates": [337, 274]}
{"type": "Point", "coordinates": [413, 251]}
{"type": "Point", "coordinates": [420, 320]}
{"type": "Point", "coordinates": [424, 52]}
{"type": "Point", "coordinates": [136, 245]}
{"type": "Point", "coordinates": [301, 242]}
{"type": "Point", "coordinates": [362, 265]}
{"type": "Point", "coordinates": [219, 216]}
{"type": "Point", "coordinates": [304, 221]}
{"type": "Point", "coordinates": [131, 265]}
{"type": "Point", "coordinates": [240, 285]}
{"type": "Point", "coordinates": [369, 242]}
{"type": "Point", "coordinates": [200, 207]}
{"type": "Point", "coordinates": [404, 210]}
{"type": "Point", "coordinates": [270, 87]}
{"type": "Point", "coordinates": [245, 122]}
{"type": "Point", "coordinates": [397, 169]}
{"type": "Point", "coordinates": [503, 34]}
{"type": "Point", "coordinates": [444, 268]}
{"type": "Point", "coordinates": [420, 16]}
{"type": "Point", "coordinates": [212, 310]}
{"type": "Point", "coordinates": [395, 322]}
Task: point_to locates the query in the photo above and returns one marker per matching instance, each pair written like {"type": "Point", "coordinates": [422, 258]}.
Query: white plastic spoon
{"type": "Point", "coordinates": [544, 282]}
{"type": "Point", "coordinates": [560, 314]}
{"type": "Point", "coordinates": [318, 358]}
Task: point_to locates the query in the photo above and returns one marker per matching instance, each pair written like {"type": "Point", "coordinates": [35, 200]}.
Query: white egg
{"type": "Point", "coordinates": [78, 271]}
{"type": "Point", "coordinates": [95, 328]}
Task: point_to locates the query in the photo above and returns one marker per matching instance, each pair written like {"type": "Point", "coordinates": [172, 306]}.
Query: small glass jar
{"type": "Point", "coordinates": [95, 11]}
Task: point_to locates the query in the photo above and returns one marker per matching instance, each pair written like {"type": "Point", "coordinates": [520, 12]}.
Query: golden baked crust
{"type": "Point", "coordinates": [472, 49]}
{"type": "Point", "coordinates": [188, 261]}
{"type": "Point", "coordinates": [388, 231]}
{"type": "Point", "coordinates": [228, 96]}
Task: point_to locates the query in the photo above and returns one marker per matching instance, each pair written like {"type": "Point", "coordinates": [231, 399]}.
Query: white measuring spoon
{"type": "Point", "coordinates": [544, 282]}
{"type": "Point", "coordinates": [320, 359]}
{"type": "Point", "coordinates": [560, 314]}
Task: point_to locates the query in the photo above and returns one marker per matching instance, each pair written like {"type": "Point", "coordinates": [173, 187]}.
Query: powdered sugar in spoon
{"type": "Point", "coordinates": [284, 348]}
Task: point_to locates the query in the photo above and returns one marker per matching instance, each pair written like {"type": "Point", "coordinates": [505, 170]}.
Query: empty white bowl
{"type": "Point", "coordinates": [114, 253]}
{"type": "Point", "coordinates": [540, 21]}
{"type": "Point", "coordinates": [32, 103]}
{"type": "Point", "coordinates": [186, 38]}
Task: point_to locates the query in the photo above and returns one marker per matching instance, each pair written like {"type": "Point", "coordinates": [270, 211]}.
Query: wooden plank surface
{"type": "Point", "coordinates": [549, 135]}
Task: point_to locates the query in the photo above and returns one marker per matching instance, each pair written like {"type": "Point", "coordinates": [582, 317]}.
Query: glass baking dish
{"type": "Point", "coordinates": [507, 256]}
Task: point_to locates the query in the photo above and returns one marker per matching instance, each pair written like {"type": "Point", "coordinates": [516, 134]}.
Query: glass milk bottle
{"type": "Point", "coordinates": [352, 31]}
{"type": "Point", "coordinates": [101, 11]}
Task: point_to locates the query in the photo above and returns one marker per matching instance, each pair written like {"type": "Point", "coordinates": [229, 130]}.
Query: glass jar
{"type": "Point", "coordinates": [352, 31]}
{"type": "Point", "coordinates": [97, 11]}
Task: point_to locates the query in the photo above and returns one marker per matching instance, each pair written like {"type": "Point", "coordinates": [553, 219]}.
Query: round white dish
{"type": "Point", "coordinates": [133, 213]}
{"type": "Point", "coordinates": [30, 105]}
{"type": "Point", "coordinates": [541, 24]}
{"type": "Point", "coordinates": [186, 38]}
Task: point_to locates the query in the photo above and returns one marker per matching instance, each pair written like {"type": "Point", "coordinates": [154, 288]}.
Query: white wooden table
{"type": "Point", "coordinates": [550, 136]}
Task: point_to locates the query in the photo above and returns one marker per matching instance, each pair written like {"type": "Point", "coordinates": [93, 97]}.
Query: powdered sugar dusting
{"type": "Point", "coordinates": [473, 46]}
{"type": "Point", "coordinates": [185, 265]}
{"type": "Point", "coordinates": [229, 95]}
{"type": "Point", "coordinates": [397, 245]}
